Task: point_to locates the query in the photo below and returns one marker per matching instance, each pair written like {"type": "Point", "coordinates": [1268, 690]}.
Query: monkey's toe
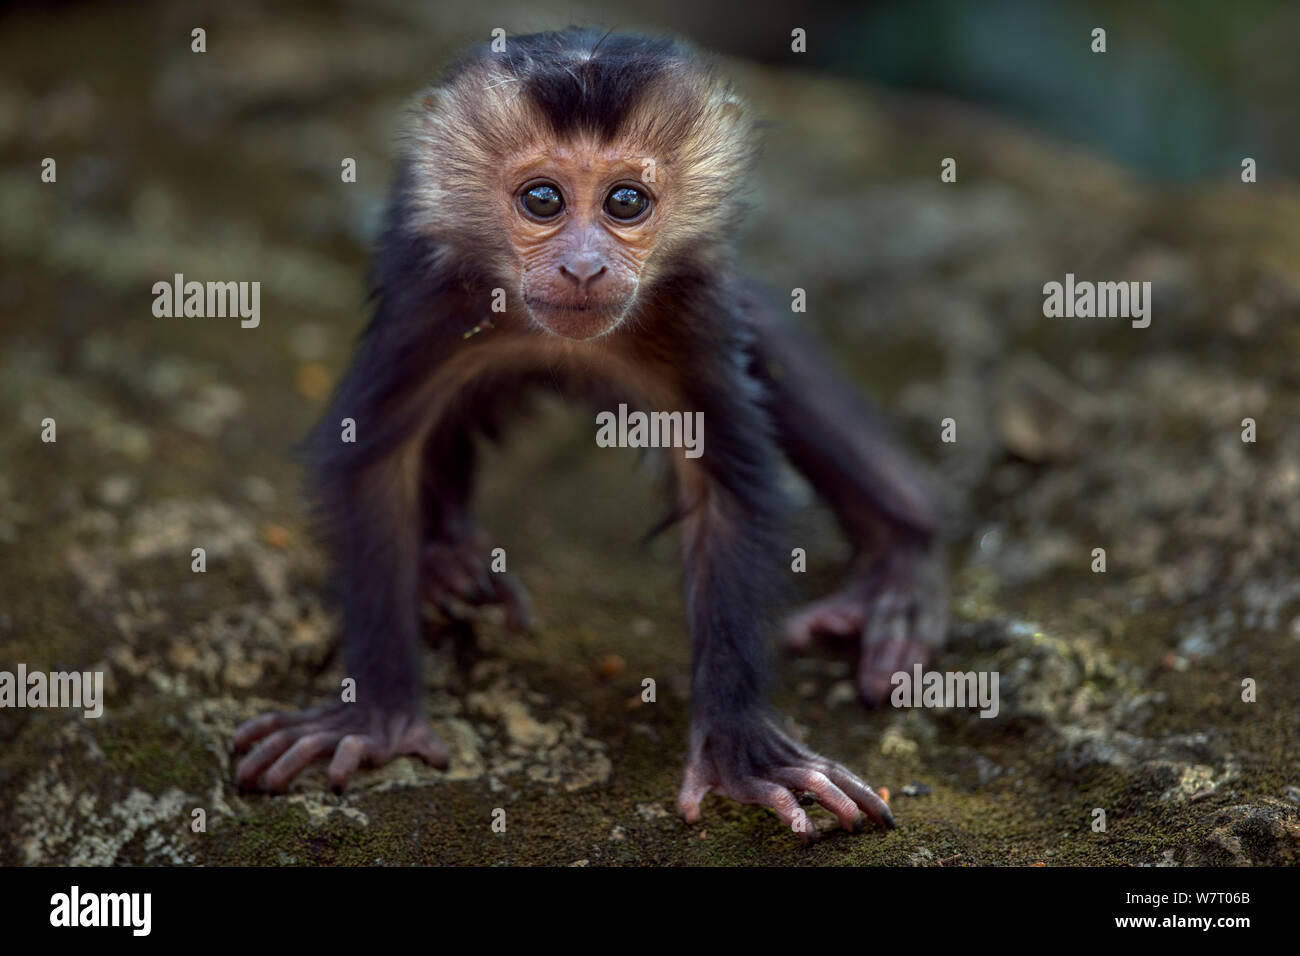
{"type": "Point", "coordinates": [753, 790]}
{"type": "Point", "coordinates": [718, 765]}
{"type": "Point", "coordinates": [838, 616]}
{"type": "Point", "coordinates": [880, 661]}
{"type": "Point", "coordinates": [895, 608]}
{"type": "Point", "coordinates": [457, 579]}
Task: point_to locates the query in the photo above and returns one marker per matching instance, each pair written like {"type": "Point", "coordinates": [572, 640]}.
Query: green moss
{"type": "Point", "coordinates": [154, 750]}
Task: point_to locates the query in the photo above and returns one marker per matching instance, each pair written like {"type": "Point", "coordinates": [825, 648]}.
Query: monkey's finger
{"type": "Point", "coordinates": [424, 743]}
{"type": "Point", "coordinates": [895, 655]}
{"type": "Point", "coordinates": [447, 607]}
{"type": "Point", "coordinates": [861, 794]}
{"type": "Point", "coordinates": [512, 596]}
{"type": "Point", "coordinates": [886, 619]}
{"type": "Point", "coordinates": [263, 755]}
{"type": "Point", "coordinates": [348, 755]}
{"type": "Point", "coordinates": [461, 583]}
{"type": "Point", "coordinates": [253, 730]}
{"type": "Point", "coordinates": [779, 798]}
{"type": "Point", "coordinates": [931, 622]}
{"type": "Point", "coordinates": [694, 789]}
{"type": "Point", "coordinates": [463, 572]}
{"type": "Point", "coordinates": [873, 684]}
{"type": "Point", "coordinates": [880, 660]}
{"type": "Point", "coordinates": [294, 760]}
{"type": "Point", "coordinates": [839, 620]}
{"type": "Point", "coordinates": [797, 636]}
{"type": "Point", "coordinates": [800, 628]}
{"type": "Point", "coordinates": [483, 591]}
{"type": "Point", "coordinates": [445, 570]}
{"type": "Point", "coordinates": [827, 793]}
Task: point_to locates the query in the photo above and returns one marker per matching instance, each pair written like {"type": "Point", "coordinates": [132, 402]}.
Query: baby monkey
{"type": "Point", "coordinates": [562, 219]}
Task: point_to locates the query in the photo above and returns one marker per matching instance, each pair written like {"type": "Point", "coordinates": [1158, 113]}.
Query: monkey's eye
{"type": "Point", "coordinates": [543, 201]}
{"type": "Point", "coordinates": [626, 203]}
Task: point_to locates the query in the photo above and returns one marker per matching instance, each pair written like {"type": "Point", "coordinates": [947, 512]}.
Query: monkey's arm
{"type": "Point", "coordinates": [368, 496]}
{"type": "Point", "coordinates": [895, 602]}
{"type": "Point", "coordinates": [731, 560]}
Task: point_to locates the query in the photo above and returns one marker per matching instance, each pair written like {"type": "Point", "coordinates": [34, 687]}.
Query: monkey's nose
{"type": "Point", "coordinates": [583, 270]}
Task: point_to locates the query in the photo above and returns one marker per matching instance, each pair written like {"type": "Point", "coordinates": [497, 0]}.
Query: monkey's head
{"type": "Point", "coordinates": [579, 169]}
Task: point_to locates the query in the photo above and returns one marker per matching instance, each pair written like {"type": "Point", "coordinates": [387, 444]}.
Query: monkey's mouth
{"type": "Point", "coordinates": [578, 320]}
{"type": "Point", "coordinates": [548, 306]}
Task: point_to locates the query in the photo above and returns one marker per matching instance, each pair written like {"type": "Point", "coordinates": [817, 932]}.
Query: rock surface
{"type": "Point", "coordinates": [1120, 691]}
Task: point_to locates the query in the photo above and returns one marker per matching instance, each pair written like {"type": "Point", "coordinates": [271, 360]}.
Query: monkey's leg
{"type": "Point", "coordinates": [456, 569]}
{"type": "Point", "coordinates": [736, 747]}
{"type": "Point", "coordinates": [895, 602]}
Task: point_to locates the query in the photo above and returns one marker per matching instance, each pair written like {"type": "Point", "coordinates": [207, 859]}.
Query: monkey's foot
{"type": "Point", "coordinates": [352, 736]}
{"type": "Point", "coordinates": [897, 610]}
{"type": "Point", "coordinates": [459, 573]}
{"type": "Point", "coordinates": [752, 761]}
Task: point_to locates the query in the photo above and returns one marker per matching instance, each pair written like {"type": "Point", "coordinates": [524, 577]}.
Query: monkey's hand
{"type": "Point", "coordinates": [458, 574]}
{"type": "Point", "coordinates": [351, 734]}
{"type": "Point", "coordinates": [896, 606]}
{"type": "Point", "coordinates": [751, 760]}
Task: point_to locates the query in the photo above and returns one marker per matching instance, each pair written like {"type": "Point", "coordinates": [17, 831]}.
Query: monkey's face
{"type": "Point", "coordinates": [582, 224]}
